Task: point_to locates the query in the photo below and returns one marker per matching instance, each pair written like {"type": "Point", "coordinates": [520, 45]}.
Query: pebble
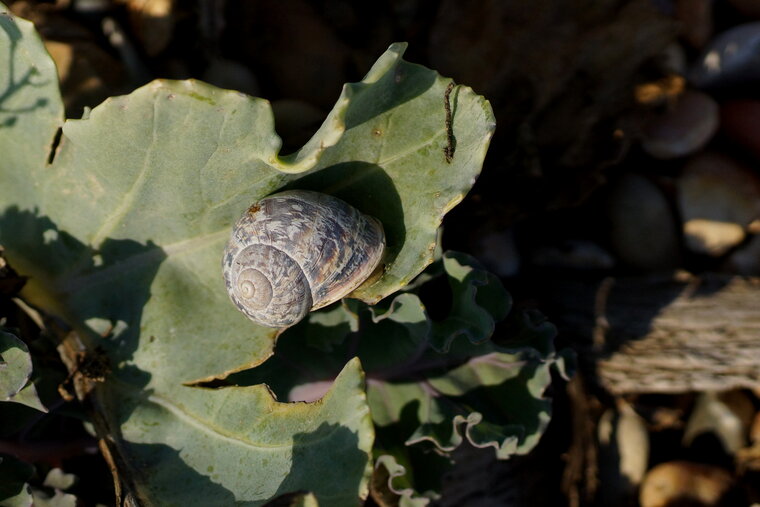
{"type": "Point", "coordinates": [87, 73]}
{"type": "Point", "coordinates": [153, 22]}
{"type": "Point", "coordinates": [712, 237]}
{"type": "Point", "coordinates": [294, 52]}
{"type": "Point", "coordinates": [643, 231]}
{"type": "Point", "coordinates": [731, 59]}
{"type": "Point", "coordinates": [684, 483]}
{"type": "Point", "coordinates": [498, 252]}
{"type": "Point", "coordinates": [672, 59]}
{"type": "Point", "coordinates": [574, 254]}
{"type": "Point", "coordinates": [713, 415]}
{"type": "Point", "coordinates": [696, 17]}
{"type": "Point", "coordinates": [231, 75]}
{"type": "Point", "coordinates": [623, 454]}
{"type": "Point", "coordinates": [741, 404]}
{"type": "Point", "coordinates": [740, 122]}
{"type": "Point", "coordinates": [684, 128]}
{"type": "Point", "coordinates": [718, 198]}
{"type": "Point", "coordinates": [746, 260]}
{"type": "Point", "coordinates": [748, 8]}
{"type": "Point", "coordinates": [754, 429]}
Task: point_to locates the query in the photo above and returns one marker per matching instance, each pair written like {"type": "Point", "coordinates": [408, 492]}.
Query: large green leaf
{"type": "Point", "coordinates": [391, 163]}
{"type": "Point", "coordinates": [122, 236]}
{"type": "Point", "coordinates": [147, 187]}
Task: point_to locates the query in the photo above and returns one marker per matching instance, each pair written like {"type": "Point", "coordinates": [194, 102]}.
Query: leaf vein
{"type": "Point", "coordinates": [206, 427]}
{"type": "Point", "coordinates": [109, 224]}
{"type": "Point", "coordinates": [413, 149]}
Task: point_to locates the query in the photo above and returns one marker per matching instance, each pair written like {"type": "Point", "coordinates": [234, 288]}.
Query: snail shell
{"type": "Point", "coordinates": [298, 251]}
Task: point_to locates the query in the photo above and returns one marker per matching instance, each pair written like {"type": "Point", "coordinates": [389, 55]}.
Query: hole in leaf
{"type": "Point", "coordinates": [54, 145]}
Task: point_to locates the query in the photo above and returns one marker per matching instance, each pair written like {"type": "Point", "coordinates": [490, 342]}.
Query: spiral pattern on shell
{"type": "Point", "coordinates": [298, 251]}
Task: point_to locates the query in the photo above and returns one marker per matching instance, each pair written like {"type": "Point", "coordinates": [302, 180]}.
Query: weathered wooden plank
{"type": "Point", "coordinates": [665, 334]}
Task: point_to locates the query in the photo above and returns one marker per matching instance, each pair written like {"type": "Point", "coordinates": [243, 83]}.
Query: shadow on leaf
{"type": "Point", "coordinates": [106, 289]}
{"type": "Point", "coordinates": [405, 82]}
{"type": "Point", "coordinates": [163, 473]}
{"type": "Point", "coordinates": [322, 461]}
{"type": "Point", "coordinates": [13, 82]}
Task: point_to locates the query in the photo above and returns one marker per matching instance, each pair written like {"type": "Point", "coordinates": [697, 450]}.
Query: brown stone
{"type": "Point", "coordinates": [684, 482]}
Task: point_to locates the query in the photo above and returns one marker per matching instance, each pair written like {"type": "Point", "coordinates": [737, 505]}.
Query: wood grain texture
{"type": "Point", "coordinates": [664, 334]}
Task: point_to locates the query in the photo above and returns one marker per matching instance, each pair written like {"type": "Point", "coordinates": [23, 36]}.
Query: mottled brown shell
{"type": "Point", "coordinates": [298, 251]}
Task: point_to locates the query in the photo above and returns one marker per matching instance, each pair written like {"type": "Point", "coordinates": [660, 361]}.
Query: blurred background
{"type": "Point", "coordinates": [620, 197]}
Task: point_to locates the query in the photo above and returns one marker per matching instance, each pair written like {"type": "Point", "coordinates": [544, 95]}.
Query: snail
{"type": "Point", "coordinates": [298, 251]}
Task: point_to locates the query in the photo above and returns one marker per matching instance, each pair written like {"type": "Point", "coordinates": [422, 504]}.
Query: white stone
{"type": "Point", "coordinates": [718, 198]}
